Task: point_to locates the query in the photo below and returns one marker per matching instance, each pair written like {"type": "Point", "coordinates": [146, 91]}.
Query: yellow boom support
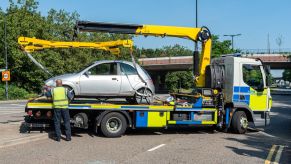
{"type": "Point", "coordinates": [33, 44]}
{"type": "Point", "coordinates": [195, 34]}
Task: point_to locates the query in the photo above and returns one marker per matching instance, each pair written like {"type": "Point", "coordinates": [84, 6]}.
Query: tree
{"type": "Point", "coordinates": [178, 80]}
{"type": "Point", "coordinates": [220, 48]}
{"type": "Point", "coordinates": [287, 75]}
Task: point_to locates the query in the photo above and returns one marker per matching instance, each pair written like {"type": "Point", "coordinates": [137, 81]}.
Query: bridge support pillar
{"type": "Point", "coordinates": [159, 80]}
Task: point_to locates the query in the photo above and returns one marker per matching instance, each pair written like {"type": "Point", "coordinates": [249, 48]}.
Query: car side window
{"type": "Point", "coordinates": [104, 69]}
{"type": "Point", "coordinates": [252, 76]}
{"type": "Point", "coordinates": [128, 69]}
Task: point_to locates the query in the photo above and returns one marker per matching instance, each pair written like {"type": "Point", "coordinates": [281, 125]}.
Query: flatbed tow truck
{"type": "Point", "coordinates": [231, 93]}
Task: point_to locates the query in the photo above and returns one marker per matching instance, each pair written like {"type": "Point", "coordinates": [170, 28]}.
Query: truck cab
{"type": "Point", "coordinates": [246, 87]}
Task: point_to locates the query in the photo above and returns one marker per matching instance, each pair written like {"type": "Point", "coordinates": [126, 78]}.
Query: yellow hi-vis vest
{"type": "Point", "coordinates": [60, 99]}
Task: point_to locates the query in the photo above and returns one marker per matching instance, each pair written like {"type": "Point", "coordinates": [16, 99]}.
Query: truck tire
{"type": "Point", "coordinates": [113, 125]}
{"type": "Point", "coordinates": [239, 122]}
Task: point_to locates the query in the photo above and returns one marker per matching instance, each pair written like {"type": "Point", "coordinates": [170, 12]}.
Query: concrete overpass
{"type": "Point", "coordinates": [159, 67]}
{"type": "Point", "coordinates": [276, 61]}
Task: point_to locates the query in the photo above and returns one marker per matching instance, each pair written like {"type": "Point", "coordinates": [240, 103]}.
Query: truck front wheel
{"type": "Point", "coordinates": [113, 125]}
{"type": "Point", "coordinates": [239, 122]}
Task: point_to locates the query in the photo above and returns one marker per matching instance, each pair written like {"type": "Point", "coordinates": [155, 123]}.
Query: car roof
{"type": "Point", "coordinates": [113, 61]}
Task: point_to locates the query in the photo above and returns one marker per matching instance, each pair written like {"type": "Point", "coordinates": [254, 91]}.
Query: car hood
{"type": "Point", "coordinates": [51, 81]}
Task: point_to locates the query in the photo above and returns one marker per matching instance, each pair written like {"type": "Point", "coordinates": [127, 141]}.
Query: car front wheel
{"type": "Point", "coordinates": [143, 96]}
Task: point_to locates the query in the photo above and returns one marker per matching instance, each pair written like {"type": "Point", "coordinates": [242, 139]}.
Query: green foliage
{"type": "Point", "coordinates": [15, 92]}
{"type": "Point", "coordinates": [220, 48]}
{"type": "Point", "coordinates": [287, 74]}
{"type": "Point", "coordinates": [178, 80]}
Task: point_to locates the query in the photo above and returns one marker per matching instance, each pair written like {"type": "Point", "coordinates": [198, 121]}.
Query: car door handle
{"type": "Point", "coordinates": [114, 79]}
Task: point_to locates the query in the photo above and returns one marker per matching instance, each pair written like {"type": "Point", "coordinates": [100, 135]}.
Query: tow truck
{"type": "Point", "coordinates": [231, 93]}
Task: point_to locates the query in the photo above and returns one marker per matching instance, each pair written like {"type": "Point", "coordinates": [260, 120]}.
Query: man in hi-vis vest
{"type": "Point", "coordinates": [61, 96]}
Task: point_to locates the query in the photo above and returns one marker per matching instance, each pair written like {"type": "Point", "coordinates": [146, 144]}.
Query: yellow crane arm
{"type": "Point", "coordinates": [195, 34]}
{"type": "Point", "coordinates": [33, 44]}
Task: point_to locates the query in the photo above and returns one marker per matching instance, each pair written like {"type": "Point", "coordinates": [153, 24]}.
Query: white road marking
{"type": "Point", "coordinates": [155, 148]}
{"type": "Point", "coordinates": [266, 134]}
{"type": "Point", "coordinates": [18, 105]}
{"type": "Point", "coordinates": [278, 156]}
{"type": "Point", "coordinates": [11, 107]}
{"type": "Point", "coordinates": [159, 133]}
{"type": "Point", "coordinates": [7, 113]}
{"type": "Point", "coordinates": [274, 113]}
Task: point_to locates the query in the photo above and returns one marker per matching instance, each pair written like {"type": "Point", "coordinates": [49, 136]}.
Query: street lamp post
{"type": "Point", "coordinates": [232, 36]}
{"type": "Point", "coordinates": [5, 47]}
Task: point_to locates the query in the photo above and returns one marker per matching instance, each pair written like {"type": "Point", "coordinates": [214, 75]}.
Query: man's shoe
{"type": "Point", "coordinates": [68, 139]}
{"type": "Point", "coordinates": [57, 139]}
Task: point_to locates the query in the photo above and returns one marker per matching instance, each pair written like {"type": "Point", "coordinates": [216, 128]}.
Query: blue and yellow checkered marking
{"type": "Point", "coordinates": [151, 119]}
{"type": "Point", "coordinates": [241, 94]}
{"type": "Point", "coordinates": [198, 104]}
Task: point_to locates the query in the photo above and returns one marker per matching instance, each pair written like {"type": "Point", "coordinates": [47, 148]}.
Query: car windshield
{"type": "Point", "coordinates": [86, 66]}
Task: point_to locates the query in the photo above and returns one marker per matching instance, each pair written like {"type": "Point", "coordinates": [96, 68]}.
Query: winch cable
{"type": "Point", "coordinates": [37, 63]}
{"type": "Point", "coordinates": [145, 95]}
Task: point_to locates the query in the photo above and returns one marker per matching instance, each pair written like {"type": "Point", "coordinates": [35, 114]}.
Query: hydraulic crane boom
{"type": "Point", "coordinates": [33, 44]}
{"type": "Point", "coordinates": [195, 34]}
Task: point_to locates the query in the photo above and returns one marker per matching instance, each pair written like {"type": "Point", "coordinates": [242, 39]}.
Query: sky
{"type": "Point", "coordinates": [253, 19]}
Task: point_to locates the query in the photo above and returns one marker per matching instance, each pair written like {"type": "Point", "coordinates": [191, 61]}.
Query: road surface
{"type": "Point", "coordinates": [12, 111]}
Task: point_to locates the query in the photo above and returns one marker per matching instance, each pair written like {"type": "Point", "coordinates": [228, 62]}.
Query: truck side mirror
{"type": "Point", "coordinates": [267, 69]}
{"type": "Point", "coordinates": [261, 87]}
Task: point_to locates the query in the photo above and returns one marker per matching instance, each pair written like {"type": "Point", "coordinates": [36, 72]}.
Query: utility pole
{"type": "Point", "coordinates": [5, 45]}
{"type": "Point", "coordinates": [268, 45]}
{"type": "Point", "coordinates": [232, 36]}
{"type": "Point", "coordinates": [196, 13]}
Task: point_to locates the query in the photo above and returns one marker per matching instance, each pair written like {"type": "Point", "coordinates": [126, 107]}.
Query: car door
{"type": "Point", "coordinates": [101, 79]}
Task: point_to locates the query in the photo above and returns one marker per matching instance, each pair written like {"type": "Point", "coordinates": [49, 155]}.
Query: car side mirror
{"type": "Point", "coordinates": [87, 73]}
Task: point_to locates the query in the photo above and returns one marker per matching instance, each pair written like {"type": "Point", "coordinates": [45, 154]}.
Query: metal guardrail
{"type": "Point", "coordinates": [283, 51]}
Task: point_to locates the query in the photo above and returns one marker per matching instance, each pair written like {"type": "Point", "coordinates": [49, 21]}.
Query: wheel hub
{"type": "Point", "coordinates": [113, 124]}
{"type": "Point", "coordinates": [244, 122]}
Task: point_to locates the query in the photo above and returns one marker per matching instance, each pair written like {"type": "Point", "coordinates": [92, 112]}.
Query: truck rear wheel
{"type": "Point", "coordinates": [239, 122]}
{"type": "Point", "coordinates": [113, 125]}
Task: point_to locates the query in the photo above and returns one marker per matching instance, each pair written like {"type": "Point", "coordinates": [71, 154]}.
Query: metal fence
{"type": "Point", "coordinates": [283, 51]}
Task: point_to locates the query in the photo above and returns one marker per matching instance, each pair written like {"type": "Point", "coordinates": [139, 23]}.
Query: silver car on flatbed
{"type": "Point", "coordinates": [109, 79]}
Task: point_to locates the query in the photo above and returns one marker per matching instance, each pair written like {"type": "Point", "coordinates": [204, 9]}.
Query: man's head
{"type": "Point", "coordinates": [59, 83]}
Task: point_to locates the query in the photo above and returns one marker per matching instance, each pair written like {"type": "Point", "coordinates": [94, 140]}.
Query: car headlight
{"type": "Point", "coordinates": [50, 83]}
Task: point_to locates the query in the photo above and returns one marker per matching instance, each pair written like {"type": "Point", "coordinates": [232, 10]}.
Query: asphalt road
{"type": "Point", "coordinates": [12, 111]}
{"type": "Point", "coordinates": [179, 145]}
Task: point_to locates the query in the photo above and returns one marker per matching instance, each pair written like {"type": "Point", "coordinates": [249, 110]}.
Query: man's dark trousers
{"type": "Point", "coordinates": [64, 113]}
